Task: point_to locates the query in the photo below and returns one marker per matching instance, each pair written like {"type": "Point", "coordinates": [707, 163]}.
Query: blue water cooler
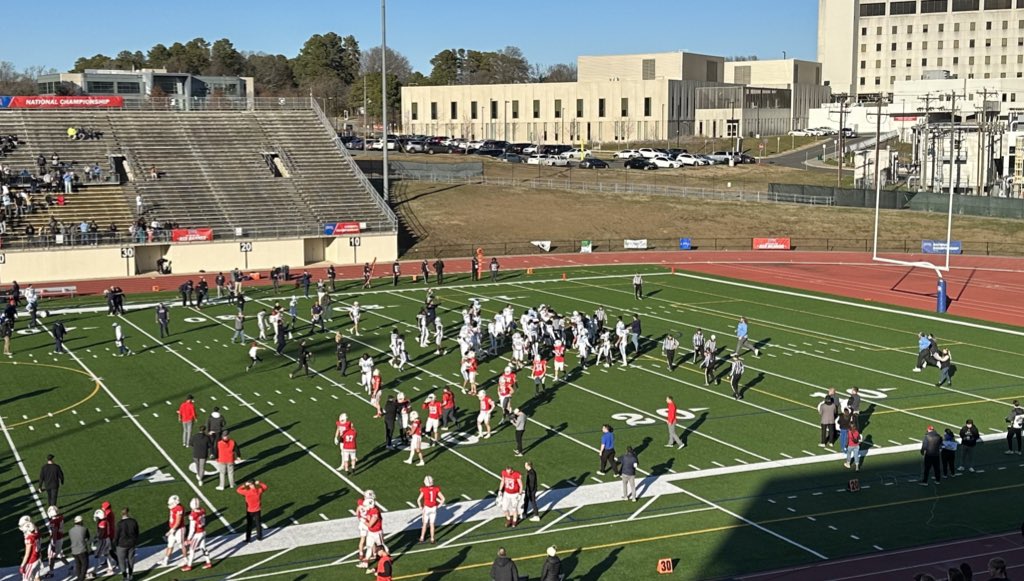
{"type": "Point", "coordinates": [940, 297]}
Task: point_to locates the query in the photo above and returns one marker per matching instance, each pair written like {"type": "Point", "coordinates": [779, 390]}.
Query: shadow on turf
{"type": "Point", "coordinates": [26, 395]}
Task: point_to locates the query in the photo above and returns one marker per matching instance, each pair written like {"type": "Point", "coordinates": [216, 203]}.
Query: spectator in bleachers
{"type": "Point", "coordinates": [60, 199]}
{"type": "Point", "coordinates": [55, 160]}
{"type": "Point", "coordinates": [83, 229]}
{"type": "Point", "coordinates": [69, 181]}
{"type": "Point", "coordinates": [41, 163]}
{"type": "Point", "coordinates": [30, 233]}
{"type": "Point", "coordinates": [153, 173]}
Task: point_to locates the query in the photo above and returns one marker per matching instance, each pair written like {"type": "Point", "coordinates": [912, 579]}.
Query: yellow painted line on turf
{"type": "Point", "coordinates": [944, 405]}
{"type": "Point", "coordinates": [721, 528]}
{"type": "Point", "coordinates": [95, 390]}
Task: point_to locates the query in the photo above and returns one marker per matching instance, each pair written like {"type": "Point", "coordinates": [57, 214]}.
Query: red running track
{"type": "Point", "coordinates": [979, 287]}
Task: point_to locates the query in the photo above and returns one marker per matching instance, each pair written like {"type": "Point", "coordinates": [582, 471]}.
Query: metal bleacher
{"type": "Point", "coordinates": [274, 172]}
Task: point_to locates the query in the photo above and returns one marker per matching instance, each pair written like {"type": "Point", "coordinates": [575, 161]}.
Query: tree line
{"type": "Point", "coordinates": [332, 67]}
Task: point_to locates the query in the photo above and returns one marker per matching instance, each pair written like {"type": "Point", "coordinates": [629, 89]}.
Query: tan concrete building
{"type": "Point", "coordinates": [618, 98]}
{"type": "Point", "coordinates": [867, 46]}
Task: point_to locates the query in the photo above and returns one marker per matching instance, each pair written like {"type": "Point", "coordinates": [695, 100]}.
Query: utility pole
{"type": "Point", "coordinates": [878, 147]}
{"type": "Point", "coordinates": [384, 90]}
{"type": "Point", "coordinates": [841, 146]}
{"type": "Point", "coordinates": [982, 144]}
{"type": "Point", "coordinates": [952, 140]}
{"type": "Point", "coordinates": [927, 136]}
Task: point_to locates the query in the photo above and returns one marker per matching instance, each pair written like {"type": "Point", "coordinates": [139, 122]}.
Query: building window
{"type": "Point", "coordinates": [956, 60]}
{"type": "Point", "coordinates": [924, 62]}
{"type": "Point", "coordinates": [129, 88]}
{"type": "Point", "coordinates": [878, 64]}
{"type": "Point", "coordinates": [647, 69]}
{"type": "Point", "coordinates": [1020, 41]}
{"type": "Point", "coordinates": [939, 63]}
{"type": "Point", "coordinates": [988, 25]}
{"type": "Point", "coordinates": [972, 27]}
{"type": "Point", "coordinates": [1006, 24]}
{"type": "Point", "coordinates": [1002, 60]}
{"type": "Point", "coordinates": [998, 4]}
{"type": "Point", "coordinates": [892, 63]}
{"type": "Point", "coordinates": [909, 63]}
{"type": "Point", "coordinates": [924, 29]}
{"type": "Point", "coordinates": [908, 7]}
{"type": "Point", "coordinates": [940, 45]}
{"type": "Point", "coordinates": [473, 110]}
{"type": "Point", "coordinates": [878, 81]}
{"type": "Point", "coordinates": [1005, 41]}
{"type": "Point", "coordinates": [924, 45]}
{"type": "Point", "coordinates": [100, 86]}
{"type": "Point", "coordinates": [579, 107]}
{"type": "Point", "coordinates": [970, 61]}
{"type": "Point", "coordinates": [956, 44]}
{"type": "Point", "coordinates": [863, 48]}
{"type": "Point", "coordinates": [864, 31]}
{"type": "Point", "coordinates": [988, 60]}
{"type": "Point", "coordinates": [536, 109]}
{"type": "Point", "coordinates": [910, 29]}
{"type": "Point", "coordinates": [930, 6]}
{"type": "Point", "coordinates": [965, 5]}
{"type": "Point", "coordinates": [988, 43]}
{"type": "Point", "coordinates": [647, 106]}
{"type": "Point", "coordinates": [453, 110]}
{"type": "Point", "coordinates": [910, 46]}
{"type": "Point", "coordinates": [892, 46]}
{"type": "Point", "coordinates": [874, 9]}
{"type": "Point", "coordinates": [862, 81]}
{"type": "Point", "coordinates": [625, 107]}
{"type": "Point", "coordinates": [878, 46]}
{"type": "Point", "coordinates": [942, 27]}
{"type": "Point", "coordinates": [600, 108]}
{"type": "Point", "coordinates": [878, 30]}
{"type": "Point", "coordinates": [558, 108]}
{"type": "Point", "coordinates": [433, 111]}
{"type": "Point", "coordinates": [494, 109]}
{"type": "Point", "coordinates": [414, 112]}
{"type": "Point", "coordinates": [515, 109]}
{"type": "Point", "coordinates": [970, 43]}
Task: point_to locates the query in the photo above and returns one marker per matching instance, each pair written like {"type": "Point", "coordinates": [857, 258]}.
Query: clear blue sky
{"type": "Point", "coordinates": [548, 31]}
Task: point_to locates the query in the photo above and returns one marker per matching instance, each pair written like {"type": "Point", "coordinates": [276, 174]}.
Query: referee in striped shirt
{"type": "Point", "coordinates": [735, 374]}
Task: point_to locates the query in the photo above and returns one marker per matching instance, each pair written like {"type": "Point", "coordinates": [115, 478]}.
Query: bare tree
{"type": "Point", "coordinates": [398, 65]}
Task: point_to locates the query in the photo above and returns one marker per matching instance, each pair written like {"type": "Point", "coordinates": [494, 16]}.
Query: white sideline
{"type": "Point", "coordinates": [855, 304]}
{"type": "Point", "coordinates": [21, 468]}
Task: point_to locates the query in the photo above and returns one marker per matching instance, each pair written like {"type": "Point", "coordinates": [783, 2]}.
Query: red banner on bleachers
{"type": "Point", "coordinates": [772, 244]}
{"type": "Point", "coordinates": [61, 102]}
{"type": "Point", "coordinates": [192, 235]}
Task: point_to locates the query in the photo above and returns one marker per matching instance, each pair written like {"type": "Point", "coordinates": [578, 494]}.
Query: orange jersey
{"type": "Point", "coordinates": [540, 368]}
{"type": "Point", "coordinates": [510, 481]}
{"type": "Point", "coordinates": [560, 353]}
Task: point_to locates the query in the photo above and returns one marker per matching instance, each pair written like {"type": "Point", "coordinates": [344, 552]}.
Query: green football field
{"type": "Point", "coordinates": [751, 491]}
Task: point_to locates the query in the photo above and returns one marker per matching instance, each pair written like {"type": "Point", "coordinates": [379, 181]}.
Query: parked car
{"type": "Point", "coordinates": [489, 152]}
{"type": "Point", "coordinates": [662, 161]}
{"type": "Point", "coordinates": [800, 133]}
{"type": "Point", "coordinates": [627, 154]}
{"type": "Point", "coordinates": [706, 159]}
{"type": "Point", "coordinates": [689, 159]}
{"type": "Point", "coordinates": [555, 149]}
{"type": "Point", "coordinates": [576, 153]}
{"type": "Point", "coordinates": [536, 159]}
{"type": "Point", "coordinates": [432, 148]}
{"type": "Point", "coordinates": [593, 163]}
{"type": "Point", "coordinates": [849, 133]}
{"type": "Point", "coordinates": [354, 143]}
{"type": "Point", "coordinates": [639, 163]}
{"type": "Point", "coordinates": [518, 147]}
{"type": "Point", "coordinates": [556, 161]}
{"type": "Point", "coordinates": [726, 157]}
{"type": "Point", "coordinates": [474, 144]}
{"type": "Point", "coordinates": [492, 144]}
{"type": "Point", "coordinates": [649, 152]}
{"type": "Point", "coordinates": [415, 147]}
{"type": "Point", "coordinates": [531, 149]}
{"type": "Point", "coordinates": [510, 158]}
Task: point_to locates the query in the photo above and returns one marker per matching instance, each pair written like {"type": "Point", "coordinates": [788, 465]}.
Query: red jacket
{"type": "Point", "coordinates": [384, 568]}
{"type": "Point", "coordinates": [252, 496]}
{"type": "Point", "coordinates": [671, 418]}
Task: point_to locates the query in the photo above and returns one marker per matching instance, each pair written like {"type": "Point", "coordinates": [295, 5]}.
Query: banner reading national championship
{"type": "Point", "coordinates": [342, 228]}
{"type": "Point", "coordinates": [772, 244]}
{"type": "Point", "coordinates": [61, 102]}
{"type": "Point", "coordinates": [939, 247]}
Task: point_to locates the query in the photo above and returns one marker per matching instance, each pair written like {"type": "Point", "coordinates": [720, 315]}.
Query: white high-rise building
{"type": "Point", "coordinates": [867, 46]}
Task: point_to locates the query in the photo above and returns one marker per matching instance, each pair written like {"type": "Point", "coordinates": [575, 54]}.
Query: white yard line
{"type": "Point", "coordinates": [641, 509]}
{"type": "Point", "coordinates": [131, 417]}
{"type": "Point", "coordinates": [557, 520]}
{"type": "Point", "coordinates": [258, 563]}
{"type": "Point", "coordinates": [255, 411]}
{"type": "Point", "coordinates": [855, 304]}
{"type": "Point", "coordinates": [464, 533]}
{"type": "Point", "coordinates": [21, 468]}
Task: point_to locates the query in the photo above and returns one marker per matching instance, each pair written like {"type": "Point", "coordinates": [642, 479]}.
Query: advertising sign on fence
{"type": "Point", "coordinates": [635, 244]}
{"type": "Point", "coordinates": [586, 247]}
{"type": "Point", "coordinates": [685, 244]}
{"type": "Point", "coordinates": [939, 247]}
{"type": "Point", "coordinates": [771, 244]}
{"type": "Point", "coordinates": [192, 235]}
{"type": "Point", "coordinates": [544, 245]}
{"type": "Point", "coordinates": [341, 228]}
{"type": "Point", "coordinates": [60, 102]}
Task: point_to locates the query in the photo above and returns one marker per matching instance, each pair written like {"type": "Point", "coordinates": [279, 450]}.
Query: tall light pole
{"type": "Point", "coordinates": [384, 89]}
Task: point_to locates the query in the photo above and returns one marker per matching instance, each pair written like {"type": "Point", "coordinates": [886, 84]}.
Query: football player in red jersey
{"type": "Point", "coordinates": [348, 449]}
{"type": "Point", "coordinates": [104, 540]}
{"type": "Point", "coordinates": [510, 495]}
{"type": "Point", "coordinates": [483, 419]}
{"type": "Point", "coordinates": [31, 563]}
{"type": "Point", "coordinates": [55, 550]}
{"type": "Point", "coordinates": [447, 408]}
{"type": "Point", "coordinates": [469, 368]}
{"type": "Point", "coordinates": [196, 539]}
{"type": "Point", "coordinates": [506, 387]}
{"type": "Point", "coordinates": [374, 532]}
{"type": "Point", "coordinates": [361, 509]}
{"type": "Point", "coordinates": [539, 372]}
{"type": "Point", "coordinates": [375, 384]}
{"type": "Point", "coordinates": [429, 499]}
{"type": "Point", "coordinates": [175, 529]}
{"type": "Point", "coordinates": [340, 427]}
{"type": "Point", "coordinates": [415, 438]}
{"type": "Point", "coordinates": [559, 360]}
{"type": "Point", "coordinates": [434, 410]}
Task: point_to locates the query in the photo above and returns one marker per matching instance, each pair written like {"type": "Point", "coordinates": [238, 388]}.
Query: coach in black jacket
{"type": "Point", "coordinates": [126, 538]}
{"type": "Point", "coordinates": [51, 478]}
{"type": "Point", "coordinates": [530, 493]}
{"type": "Point", "coordinates": [931, 449]}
